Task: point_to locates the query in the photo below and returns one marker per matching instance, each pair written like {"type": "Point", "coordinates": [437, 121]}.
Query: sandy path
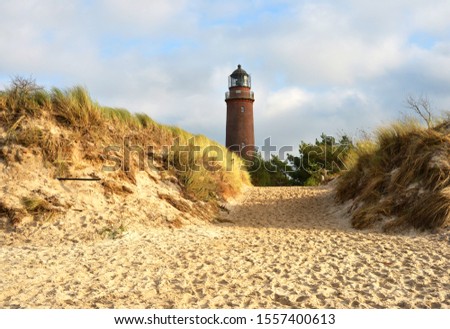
{"type": "Point", "coordinates": [286, 247]}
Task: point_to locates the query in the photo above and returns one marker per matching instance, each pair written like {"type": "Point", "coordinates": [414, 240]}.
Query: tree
{"type": "Point", "coordinates": [421, 106]}
{"type": "Point", "coordinates": [273, 172]}
{"type": "Point", "coordinates": [320, 160]}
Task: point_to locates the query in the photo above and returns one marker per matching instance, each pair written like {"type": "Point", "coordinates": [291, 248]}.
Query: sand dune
{"type": "Point", "coordinates": [285, 247]}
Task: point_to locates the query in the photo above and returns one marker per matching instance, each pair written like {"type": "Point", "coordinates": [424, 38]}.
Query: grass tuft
{"type": "Point", "coordinates": [74, 107]}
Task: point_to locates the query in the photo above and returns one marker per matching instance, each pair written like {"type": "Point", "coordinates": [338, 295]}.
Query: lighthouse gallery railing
{"type": "Point", "coordinates": [239, 94]}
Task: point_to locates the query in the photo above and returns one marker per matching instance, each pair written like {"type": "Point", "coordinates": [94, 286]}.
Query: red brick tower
{"type": "Point", "coordinates": [240, 133]}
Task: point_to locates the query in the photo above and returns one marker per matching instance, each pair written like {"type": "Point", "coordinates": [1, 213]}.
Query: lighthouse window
{"type": "Point", "coordinates": [242, 109]}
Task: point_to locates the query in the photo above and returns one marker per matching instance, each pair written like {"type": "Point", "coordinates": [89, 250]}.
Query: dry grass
{"type": "Point", "coordinates": [74, 108]}
{"type": "Point", "coordinates": [401, 179]}
{"type": "Point", "coordinates": [145, 121]}
{"type": "Point", "coordinates": [431, 210]}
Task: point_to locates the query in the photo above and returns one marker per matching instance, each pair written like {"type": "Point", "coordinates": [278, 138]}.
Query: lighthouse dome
{"type": "Point", "coordinates": [239, 72]}
{"type": "Point", "coordinates": [239, 78]}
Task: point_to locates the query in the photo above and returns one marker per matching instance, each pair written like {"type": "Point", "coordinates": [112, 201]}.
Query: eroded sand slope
{"type": "Point", "coordinates": [278, 247]}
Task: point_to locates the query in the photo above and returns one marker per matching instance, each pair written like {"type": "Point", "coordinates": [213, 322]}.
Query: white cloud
{"type": "Point", "coordinates": [282, 102]}
{"type": "Point", "coordinates": [141, 17]}
{"type": "Point", "coordinates": [432, 17]}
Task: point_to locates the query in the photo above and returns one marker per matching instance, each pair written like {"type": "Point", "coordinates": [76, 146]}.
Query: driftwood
{"type": "Point", "coordinates": [79, 178]}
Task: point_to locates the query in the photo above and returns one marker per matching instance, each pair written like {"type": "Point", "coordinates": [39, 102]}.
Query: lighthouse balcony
{"type": "Point", "coordinates": [239, 94]}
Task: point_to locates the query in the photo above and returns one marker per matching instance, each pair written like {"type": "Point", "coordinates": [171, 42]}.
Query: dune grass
{"type": "Point", "coordinates": [401, 179]}
{"type": "Point", "coordinates": [211, 173]}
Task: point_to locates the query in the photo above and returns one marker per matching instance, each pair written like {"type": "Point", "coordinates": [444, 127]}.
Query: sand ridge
{"type": "Point", "coordinates": [287, 247]}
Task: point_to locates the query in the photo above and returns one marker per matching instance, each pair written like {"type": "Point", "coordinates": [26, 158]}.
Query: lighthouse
{"type": "Point", "coordinates": [240, 136]}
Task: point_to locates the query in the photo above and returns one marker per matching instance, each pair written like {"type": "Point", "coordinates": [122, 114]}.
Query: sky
{"type": "Point", "coordinates": [323, 66]}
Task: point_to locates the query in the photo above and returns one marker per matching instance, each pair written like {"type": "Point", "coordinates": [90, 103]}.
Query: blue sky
{"type": "Point", "coordinates": [317, 66]}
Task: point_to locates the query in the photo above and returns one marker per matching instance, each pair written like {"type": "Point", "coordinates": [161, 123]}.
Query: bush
{"type": "Point", "coordinates": [24, 96]}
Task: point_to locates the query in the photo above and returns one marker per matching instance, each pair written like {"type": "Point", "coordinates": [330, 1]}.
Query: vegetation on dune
{"type": "Point", "coordinates": [401, 179]}
{"type": "Point", "coordinates": [54, 121]}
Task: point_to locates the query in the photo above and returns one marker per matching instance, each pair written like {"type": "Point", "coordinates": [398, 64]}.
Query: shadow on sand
{"type": "Point", "coordinates": [287, 207]}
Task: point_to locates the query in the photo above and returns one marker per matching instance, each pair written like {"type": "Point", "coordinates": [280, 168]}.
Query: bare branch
{"type": "Point", "coordinates": [421, 106]}
{"type": "Point", "coordinates": [24, 86]}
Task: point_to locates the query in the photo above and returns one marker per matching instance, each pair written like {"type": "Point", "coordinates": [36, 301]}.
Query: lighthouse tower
{"type": "Point", "coordinates": [240, 135]}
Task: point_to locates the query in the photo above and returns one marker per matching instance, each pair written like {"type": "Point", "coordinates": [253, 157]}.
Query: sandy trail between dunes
{"type": "Point", "coordinates": [278, 247]}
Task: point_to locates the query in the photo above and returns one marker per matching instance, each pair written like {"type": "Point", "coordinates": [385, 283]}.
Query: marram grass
{"type": "Point", "coordinates": [401, 179]}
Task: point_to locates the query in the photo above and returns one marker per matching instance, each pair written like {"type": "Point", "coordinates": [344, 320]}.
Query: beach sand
{"type": "Point", "coordinates": [287, 247]}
